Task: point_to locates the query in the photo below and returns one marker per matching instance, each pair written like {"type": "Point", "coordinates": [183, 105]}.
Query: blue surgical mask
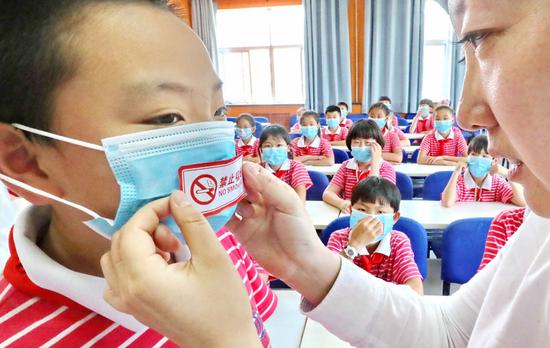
{"type": "Point", "coordinates": [479, 166]}
{"type": "Point", "coordinates": [344, 114]}
{"type": "Point", "coordinates": [386, 220]}
{"type": "Point", "coordinates": [444, 126]}
{"type": "Point", "coordinates": [244, 133]}
{"type": "Point", "coordinates": [333, 122]}
{"type": "Point", "coordinates": [152, 164]}
{"type": "Point", "coordinates": [380, 122]}
{"type": "Point", "coordinates": [275, 156]}
{"type": "Point", "coordinates": [424, 111]}
{"type": "Point", "coordinates": [310, 132]}
{"type": "Point", "coordinates": [362, 154]}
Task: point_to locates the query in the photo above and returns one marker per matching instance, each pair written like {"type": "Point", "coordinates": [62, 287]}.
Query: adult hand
{"type": "Point", "coordinates": [185, 301]}
{"type": "Point", "coordinates": [365, 232]}
{"type": "Point", "coordinates": [277, 232]}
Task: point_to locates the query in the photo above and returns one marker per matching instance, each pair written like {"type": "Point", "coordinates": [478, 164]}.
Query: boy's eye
{"type": "Point", "coordinates": [167, 119]}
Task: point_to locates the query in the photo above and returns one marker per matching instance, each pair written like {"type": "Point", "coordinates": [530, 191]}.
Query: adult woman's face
{"type": "Point", "coordinates": [507, 85]}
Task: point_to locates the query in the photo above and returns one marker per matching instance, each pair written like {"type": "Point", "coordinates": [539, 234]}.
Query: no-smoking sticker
{"type": "Point", "coordinates": [214, 186]}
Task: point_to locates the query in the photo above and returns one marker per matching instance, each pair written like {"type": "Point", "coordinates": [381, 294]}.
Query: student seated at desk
{"type": "Point", "coordinates": [392, 151]}
{"type": "Point", "coordinates": [502, 228]}
{"type": "Point", "coordinates": [344, 120]}
{"type": "Point", "coordinates": [481, 179]}
{"type": "Point", "coordinates": [296, 127]}
{"type": "Point", "coordinates": [333, 132]}
{"type": "Point", "coordinates": [423, 122]}
{"type": "Point", "coordinates": [365, 141]}
{"type": "Point", "coordinates": [310, 148]}
{"type": "Point", "coordinates": [445, 145]}
{"type": "Point", "coordinates": [275, 152]}
{"type": "Point", "coordinates": [370, 242]}
{"type": "Point", "coordinates": [246, 144]}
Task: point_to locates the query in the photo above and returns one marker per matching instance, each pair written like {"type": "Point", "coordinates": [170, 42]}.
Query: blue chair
{"type": "Point", "coordinates": [231, 119]}
{"type": "Point", "coordinates": [402, 122]}
{"type": "Point", "coordinates": [463, 247]}
{"type": "Point", "coordinates": [405, 185]}
{"type": "Point", "coordinates": [410, 115]}
{"type": "Point", "coordinates": [278, 284]}
{"type": "Point", "coordinates": [323, 121]}
{"type": "Point", "coordinates": [340, 155]}
{"type": "Point", "coordinates": [320, 183]}
{"type": "Point", "coordinates": [357, 117]}
{"type": "Point", "coordinates": [293, 120]}
{"type": "Point", "coordinates": [335, 225]}
{"type": "Point", "coordinates": [419, 242]}
{"type": "Point", "coordinates": [434, 185]}
{"type": "Point", "coordinates": [259, 129]}
{"type": "Point", "coordinates": [294, 136]}
{"type": "Point", "coordinates": [261, 119]}
{"type": "Point", "coordinates": [414, 156]}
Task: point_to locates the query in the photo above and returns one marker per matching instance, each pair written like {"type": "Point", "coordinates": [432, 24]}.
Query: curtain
{"type": "Point", "coordinates": [394, 40]}
{"type": "Point", "coordinates": [204, 24]}
{"type": "Point", "coordinates": [326, 53]}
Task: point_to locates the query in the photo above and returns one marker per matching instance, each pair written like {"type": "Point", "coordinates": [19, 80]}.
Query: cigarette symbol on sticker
{"type": "Point", "coordinates": [203, 189]}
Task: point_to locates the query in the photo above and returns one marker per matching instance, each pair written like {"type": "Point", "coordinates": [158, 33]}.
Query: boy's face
{"type": "Point", "coordinates": [483, 153]}
{"type": "Point", "coordinates": [308, 121]}
{"type": "Point", "coordinates": [243, 124]}
{"type": "Point", "coordinates": [274, 142]}
{"type": "Point", "coordinates": [377, 113]}
{"type": "Point", "coordinates": [332, 114]}
{"type": "Point", "coordinates": [375, 208]}
{"type": "Point", "coordinates": [343, 108]}
{"type": "Point", "coordinates": [443, 115]}
{"type": "Point", "coordinates": [138, 68]}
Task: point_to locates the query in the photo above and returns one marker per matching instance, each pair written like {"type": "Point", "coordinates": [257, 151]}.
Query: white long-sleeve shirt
{"type": "Point", "coordinates": [507, 304]}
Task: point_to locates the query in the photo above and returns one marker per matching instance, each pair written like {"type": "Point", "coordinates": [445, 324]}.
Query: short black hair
{"type": "Point", "coordinates": [375, 189]}
{"type": "Point", "coordinates": [248, 117]}
{"type": "Point", "coordinates": [382, 106]}
{"type": "Point", "coordinates": [426, 101]}
{"type": "Point", "coordinates": [344, 104]}
{"type": "Point", "coordinates": [333, 108]}
{"type": "Point", "coordinates": [384, 98]}
{"type": "Point", "coordinates": [366, 129]}
{"type": "Point", "coordinates": [34, 58]}
{"type": "Point", "coordinates": [478, 144]}
{"type": "Point", "coordinates": [444, 107]}
{"type": "Point", "coordinates": [310, 113]}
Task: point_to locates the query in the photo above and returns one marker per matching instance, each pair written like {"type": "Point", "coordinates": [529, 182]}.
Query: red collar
{"type": "Point", "coordinates": [367, 261]}
{"type": "Point", "coordinates": [15, 274]}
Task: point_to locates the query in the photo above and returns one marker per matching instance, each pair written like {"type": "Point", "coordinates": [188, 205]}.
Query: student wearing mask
{"type": "Point", "coordinates": [392, 151]}
{"type": "Point", "coordinates": [246, 143]}
{"type": "Point", "coordinates": [344, 111]}
{"type": "Point", "coordinates": [333, 132]}
{"type": "Point", "coordinates": [310, 148]}
{"type": "Point", "coordinates": [423, 122]}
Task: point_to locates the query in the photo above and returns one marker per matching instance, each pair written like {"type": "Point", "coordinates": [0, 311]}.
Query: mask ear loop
{"type": "Point", "coordinates": [59, 137]}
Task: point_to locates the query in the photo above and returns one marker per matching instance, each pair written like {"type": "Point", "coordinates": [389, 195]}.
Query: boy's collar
{"type": "Point", "coordinates": [252, 141]}
{"type": "Point", "coordinates": [384, 247]}
{"type": "Point", "coordinates": [338, 130]}
{"type": "Point", "coordinates": [316, 142]}
{"type": "Point", "coordinates": [47, 274]}
{"type": "Point", "coordinates": [440, 137]}
{"type": "Point", "coordinates": [470, 183]}
{"type": "Point", "coordinates": [352, 164]}
{"type": "Point", "coordinates": [284, 166]}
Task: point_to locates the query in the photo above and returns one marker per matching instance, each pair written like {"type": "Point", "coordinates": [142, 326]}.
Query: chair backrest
{"type": "Point", "coordinates": [320, 183]}
{"type": "Point", "coordinates": [259, 129]}
{"type": "Point", "coordinates": [335, 225]}
{"type": "Point", "coordinates": [357, 117]}
{"type": "Point", "coordinates": [434, 185]}
{"type": "Point", "coordinates": [231, 119]}
{"type": "Point", "coordinates": [414, 156]}
{"type": "Point", "coordinates": [463, 247]}
{"type": "Point", "coordinates": [410, 115]}
{"type": "Point", "coordinates": [340, 155]}
{"type": "Point", "coordinates": [293, 120]}
{"type": "Point", "coordinates": [419, 242]}
{"type": "Point", "coordinates": [261, 119]}
{"type": "Point", "coordinates": [404, 184]}
{"type": "Point", "coordinates": [402, 122]}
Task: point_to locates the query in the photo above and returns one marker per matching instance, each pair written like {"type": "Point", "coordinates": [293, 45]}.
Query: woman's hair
{"type": "Point", "coordinates": [382, 106]}
{"type": "Point", "coordinates": [343, 104]}
{"type": "Point", "coordinates": [36, 54]}
{"type": "Point", "coordinates": [310, 113]}
{"type": "Point", "coordinates": [333, 108]}
{"type": "Point", "coordinates": [365, 129]}
{"type": "Point", "coordinates": [275, 131]}
{"type": "Point", "coordinates": [478, 144]}
{"type": "Point", "coordinates": [247, 117]}
{"type": "Point", "coordinates": [375, 189]}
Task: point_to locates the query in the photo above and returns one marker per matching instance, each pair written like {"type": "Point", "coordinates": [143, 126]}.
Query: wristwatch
{"type": "Point", "coordinates": [351, 252]}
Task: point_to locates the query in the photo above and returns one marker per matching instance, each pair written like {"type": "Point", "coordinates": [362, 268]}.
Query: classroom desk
{"type": "Point", "coordinates": [432, 215]}
{"type": "Point", "coordinates": [327, 170]}
{"type": "Point", "coordinates": [414, 136]}
{"type": "Point", "coordinates": [286, 325]}
{"type": "Point", "coordinates": [321, 213]}
{"type": "Point", "coordinates": [415, 170]}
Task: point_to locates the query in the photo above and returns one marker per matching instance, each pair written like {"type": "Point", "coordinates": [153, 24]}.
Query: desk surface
{"type": "Point", "coordinates": [411, 169]}
{"type": "Point", "coordinates": [408, 149]}
{"type": "Point", "coordinates": [414, 136]}
{"type": "Point", "coordinates": [327, 170]}
{"type": "Point", "coordinates": [321, 213]}
{"type": "Point", "coordinates": [286, 325]}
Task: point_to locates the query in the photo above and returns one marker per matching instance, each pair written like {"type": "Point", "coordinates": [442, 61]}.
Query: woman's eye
{"type": "Point", "coordinates": [167, 119]}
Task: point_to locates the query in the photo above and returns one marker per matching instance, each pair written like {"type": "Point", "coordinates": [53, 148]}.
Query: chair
{"type": "Point", "coordinates": [259, 129]}
{"type": "Point", "coordinates": [231, 119]}
{"type": "Point", "coordinates": [323, 121]}
{"type": "Point", "coordinates": [463, 247]}
{"type": "Point", "coordinates": [405, 185]}
{"type": "Point", "coordinates": [261, 119]}
{"type": "Point", "coordinates": [340, 155]}
{"type": "Point", "coordinates": [402, 122]}
{"type": "Point", "coordinates": [419, 242]}
{"type": "Point", "coordinates": [414, 156]}
{"type": "Point", "coordinates": [434, 185]}
{"type": "Point", "coordinates": [320, 183]}
{"type": "Point", "coordinates": [295, 135]}
{"type": "Point", "coordinates": [278, 284]}
{"type": "Point", "coordinates": [293, 120]}
{"type": "Point", "coordinates": [357, 117]}
{"type": "Point", "coordinates": [335, 225]}
{"type": "Point", "coordinates": [410, 115]}
{"type": "Point", "coordinates": [405, 156]}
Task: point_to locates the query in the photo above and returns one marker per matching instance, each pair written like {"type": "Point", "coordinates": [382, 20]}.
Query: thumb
{"type": "Point", "coordinates": [196, 230]}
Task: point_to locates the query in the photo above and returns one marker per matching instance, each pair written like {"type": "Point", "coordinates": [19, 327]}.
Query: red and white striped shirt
{"type": "Point", "coordinates": [250, 149]}
{"type": "Point", "coordinates": [435, 145]}
{"type": "Point", "coordinates": [391, 140]}
{"type": "Point", "coordinates": [392, 261]}
{"type": "Point", "coordinates": [493, 189]}
{"type": "Point", "coordinates": [318, 147]}
{"type": "Point", "coordinates": [424, 125]}
{"type": "Point", "coordinates": [502, 228]}
{"type": "Point", "coordinates": [293, 173]}
{"type": "Point", "coordinates": [348, 175]}
{"type": "Point", "coordinates": [63, 308]}
{"type": "Point", "coordinates": [340, 134]}
{"type": "Point", "coordinates": [347, 123]}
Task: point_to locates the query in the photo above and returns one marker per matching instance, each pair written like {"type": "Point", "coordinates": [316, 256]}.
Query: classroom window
{"type": "Point", "coordinates": [438, 46]}
{"type": "Point", "coordinates": [261, 54]}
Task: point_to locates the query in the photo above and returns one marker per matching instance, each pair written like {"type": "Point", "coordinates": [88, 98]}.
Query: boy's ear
{"type": "Point", "coordinates": [396, 217]}
{"type": "Point", "coordinates": [18, 161]}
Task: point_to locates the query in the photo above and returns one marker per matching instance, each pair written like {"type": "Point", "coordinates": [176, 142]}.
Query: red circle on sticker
{"type": "Point", "coordinates": [203, 189]}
